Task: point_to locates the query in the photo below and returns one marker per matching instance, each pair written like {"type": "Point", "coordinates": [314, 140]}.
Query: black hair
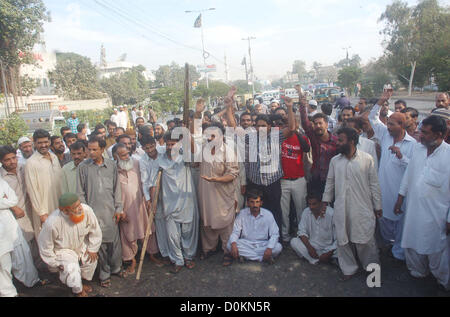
{"type": "Point", "coordinates": [413, 111]}
{"type": "Point", "coordinates": [358, 123]}
{"type": "Point", "coordinates": [122, 136]}
{"type": "Point", "coordinates": [80, 127]}
{"type": "Point", "coordinates": [245, 113]}
{"type": "Point", "coordinates": [314, 195]}
{"type": "Point", "coordinates": [107, 122]}
{"type": "Point", "coordinates": [351, 134]}
{"type": "Point", "coordinates": [401, 101]}
{"type": "Point", "coordinates": [111, 123]}
{"type": "Point", "coordinates": [168, 137]}
{"type": "Point", "coordinates": [254, 194]}
{"type": "Point", "coordinates": [99, 126]}
{"type": "Point", "coordinates": [118, 128]}
{"type": "Point", "coordinates": [96, 139]}
{"type": "Point", "coordinates": [263, 117]}
{"type": "Point", "coordinates": [437, 123]}
{"type": "Point", "coordinates": [274, 118]}
{"type": "Point", "coordinates": [53, 138]}
{"type": "Point", "coordinates": [349, 108]}
{"type": "Point", "coordinates": [5, 150]}
{"type": "Point", "coordinates": [327, 108]}
{"type": "Point", "coordinates": [40, 134]}
{"type": "Point", "coordinates": [69, 136]}
{"type": "Point", "coordinates": [320, 116]}
{"type": "Point", "coordinates": [78, 146]}
{"type": "Point", "coordinates": [218, 125]}
{"type": "Point", "coordinates": [64, 129]}
{"type": "Point", "coordinates": [145, 130]}
{"type": "Point", "coordinates": [147, 139]}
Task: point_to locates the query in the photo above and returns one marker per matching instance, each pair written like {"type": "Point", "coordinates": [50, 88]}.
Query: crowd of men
{"type": "Point", "coordinates": [364, 181]}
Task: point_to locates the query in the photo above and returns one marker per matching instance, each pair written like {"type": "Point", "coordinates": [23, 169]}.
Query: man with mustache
{"type": "Point", "coordinates": [78, 152]}
{"type": "Point", "coordinates": [323, 144]}
{"type": "Point", "coordinates": [43, 175]}
{"type": "Point", "coordinates": [396, 151]}
{"type": "Point", "coordinates": [69, 243]}
{"type": "Point", "coordinates": [352, 182]}
{"type": "Point", "coordinates": [25, 150]}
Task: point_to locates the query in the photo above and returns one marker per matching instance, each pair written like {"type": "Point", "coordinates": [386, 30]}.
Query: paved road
{"type": "Point", "coordinates": [289, 276]}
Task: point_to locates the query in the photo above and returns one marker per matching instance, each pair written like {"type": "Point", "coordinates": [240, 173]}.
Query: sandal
{"type": "Point", "coordinates": [189, 264]}
{"type": "Point", "coordinates": [43, 282]}
{"type": "Point", "coordinates": [122, 274]}
{"type": "Point", "coordinates": [175, 269]}
{"type": "Point", "coordinates": [227, 260]}
{"type": "Point", "coordinates": [106, 283]}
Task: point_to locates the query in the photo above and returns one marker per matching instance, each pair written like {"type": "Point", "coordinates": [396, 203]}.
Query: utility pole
{"type": "Point", "coordinates": [205, 54]}
{"type": "Point", "coordinates": [244, 62]}
{"type": "Point", "coordinates": [5, 89]}
{"type": "Point", "coordinates": [252, 76]}
{"type": "Point", "coordinates": [346, 49]}
{"type": "Point", "coordinates": [226, 67]}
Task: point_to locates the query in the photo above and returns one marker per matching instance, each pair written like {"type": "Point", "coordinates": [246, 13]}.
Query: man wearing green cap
{"type": "Point", "coordinates": [69, 242]}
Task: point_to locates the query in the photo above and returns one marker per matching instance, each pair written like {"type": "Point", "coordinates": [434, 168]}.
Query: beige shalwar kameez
{"type": "Point", "coordinates": [134, 227]}
{"type": "Point", "coordinates": [354, 184]}
{"type": "Point", "coordinates": [217, 201]}
{"type": "Point", "coordinates": [43, 181]}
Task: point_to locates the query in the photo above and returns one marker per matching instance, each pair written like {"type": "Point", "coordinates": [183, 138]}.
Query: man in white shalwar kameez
{"type": "Point", "coordinates": [69, 242]}
{"type": "Point", "coordinates": [179, 201]}
{"type": "Point", "coordinates": [255, 233]}
{"type": "Point", "coordinates": [316, 240]}
{"type": "Point", "coordinates": [426, 185]}
{"type": "Point", "coordinates": [396, 151]}
{"type": "Point", "coordinates": [15, 254]}
{"type": "Point", "coordinates": [352, 180]}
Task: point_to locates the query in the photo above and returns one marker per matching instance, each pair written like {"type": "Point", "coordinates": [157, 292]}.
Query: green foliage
{"type": "Point", "coordinates": [12, 129]}
{"type": "Point", "coordinates": [418, 34]}
{"type": "Point", "coordinates": [28, 85]}
{"type": "Point", "coordinates": [21, 25]}
{"type": "Point", "coordinates": [216, 89]}
{"type": "Point", "coordinates": [375, 76]}
{"type": "Point", "coordinates": [349, 76]}
{"type": "Point", "coordinates": [367, 91]}
{"type": "Point", "coordinates": [354, 61]}
{"type": "Point", "coordinates": [75, 77]}
{"type": "Point", "coordinates": [169, 99]}
{"type": "Point", "coordinates": [172, 76]}
{"type": "Point", "coordinates": [244, 88]}
{"type": "Point", "coordinates": [128, 88]}
{"type": "Point", "coordinates": [299, 68]}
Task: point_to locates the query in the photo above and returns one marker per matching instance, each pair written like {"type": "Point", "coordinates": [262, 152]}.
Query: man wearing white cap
{"type": "Point", "coordinates": [274, 104]}
{"type": "Point", "coordinates": [25, 150]}
{"type": "Point", "coordinates": [160, 129]}
{"type": "Point", "coordinates": [115, 117]}
{"type": "Point", "coordinates": [312, 108]}
{"type": "Point", "coordinates": [123, 118]}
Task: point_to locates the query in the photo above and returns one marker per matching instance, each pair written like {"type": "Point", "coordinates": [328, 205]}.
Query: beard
{"type": "Point", "coordinates": [126, 165]}
{"type": "Point", "coordinates": [344, 149]}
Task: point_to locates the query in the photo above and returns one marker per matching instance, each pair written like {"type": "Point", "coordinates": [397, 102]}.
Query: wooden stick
{"type": "Point", "coordinates": [186, 96]}
{"type": "Point", "coordinates": [149, 226]}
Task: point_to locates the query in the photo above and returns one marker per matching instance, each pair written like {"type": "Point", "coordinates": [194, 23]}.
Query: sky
{"type": "Point", "coordinates": [159, 32]}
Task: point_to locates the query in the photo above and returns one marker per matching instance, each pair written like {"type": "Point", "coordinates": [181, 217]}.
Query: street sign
{"type": "Point", "coordinates": [207, 69]}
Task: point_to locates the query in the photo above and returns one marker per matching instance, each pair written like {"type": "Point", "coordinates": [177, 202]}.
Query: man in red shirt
{"type": "Point", "coordinates": [293, 183]}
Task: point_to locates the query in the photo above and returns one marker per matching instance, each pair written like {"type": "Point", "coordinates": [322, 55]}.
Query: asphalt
{"type": "Point", "coordinates": [288, 277]}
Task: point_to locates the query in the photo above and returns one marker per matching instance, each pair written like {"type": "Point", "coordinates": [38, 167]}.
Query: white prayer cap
{"type": "Point", "coordinates": [23, 140]}
{"type": "Point", "coordinates": [275, 101]}
{"type": "Point", "coordinates": [313, 103]}
{"type": "Point", "coordinates": [162, 125]}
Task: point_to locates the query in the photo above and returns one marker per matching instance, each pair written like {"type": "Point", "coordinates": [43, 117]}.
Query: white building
{"type": "Point", "coordinates": [45, 62]}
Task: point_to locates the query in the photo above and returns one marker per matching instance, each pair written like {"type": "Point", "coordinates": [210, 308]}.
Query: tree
{"type": "Point", "coordinates": [173, 75]}
{"type": "Point", "coordinates": [216, 89]}
{"type": "Point", "coordinates": [416, 40]}
{"type": "Point", "coordinates": [75, 77]}
{"type": "Point", "coordinates": [130, 87]}
{"type": "Point", "coordinates": [375, 76]}
{"type": "Point", "coordinates": [28, 85]}
{"type": "Point", "coordinates": [349, 76]}
{"type": "Point", "coordinates": [21, 25]}
{"type": "Point", "coordinates": [169, 99]}
{"type": "Point", "coordinates": [354, 61]}
{"type": "Point", "coordinates": [11, 129]}
{"type": "Point", "coordinates": [299, 68]}
{"type": "Point", "coordinates": [316, 67]}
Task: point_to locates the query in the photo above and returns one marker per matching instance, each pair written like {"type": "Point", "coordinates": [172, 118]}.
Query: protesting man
{"type": "Point", "coordinates": [135, 220]}
{"type": "Point", "coordinates": [396, 151]}
{"type": "Point", "coordinates": [217, 192]}
{"type": "Point", "coordinates": [43, 175]}
{"type": "Point", "coordinates": [352, 180]}
{"type": "Point", "coordinates": [15, 255]}
{"type": "Point", "coordinates": [316, 240]}
{"type": "Point", "coordinates": [25, 150]}
{"type": "Point", "coordinates": [78, 152]}
{"type": "Point", "coordinates": [69, 242]}
{"type": "Point", "coordinates": [58, 148]}
{"type": "Point", "coordinates": [255, 232]}
{"type": "Point", "coordinates": [426, 186]}
{"type": "Point", "coordinates": [98, 186]}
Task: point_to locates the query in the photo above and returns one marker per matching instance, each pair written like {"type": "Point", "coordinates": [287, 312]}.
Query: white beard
{"type": "Point", "coordinates": [126, 165]}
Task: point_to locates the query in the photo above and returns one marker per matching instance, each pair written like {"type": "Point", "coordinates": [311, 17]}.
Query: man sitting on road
{"type": "Point", "coordinates": [255, 232]}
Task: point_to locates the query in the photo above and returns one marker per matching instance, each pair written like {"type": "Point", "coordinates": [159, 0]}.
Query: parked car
{"type": "Point", "coordinates": [47, 119]}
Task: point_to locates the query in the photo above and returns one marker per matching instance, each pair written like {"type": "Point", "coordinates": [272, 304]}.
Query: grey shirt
{"type": "Point", "coordinates": [98, 187]}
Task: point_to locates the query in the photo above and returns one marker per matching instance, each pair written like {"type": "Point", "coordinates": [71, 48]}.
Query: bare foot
{"type": "Point", "coordinates": [82, 294]}
{"type": "Point", "coordinates": [156, 261]}
{"type": "Point", "coordinates": [132, 268]}
{"type": "Point", "coordinates": [87, 289]}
